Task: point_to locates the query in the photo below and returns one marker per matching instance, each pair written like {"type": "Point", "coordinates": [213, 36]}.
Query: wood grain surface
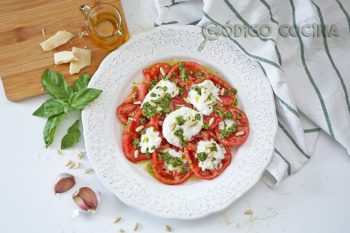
{"type": "Point", "coordinates": [22, 60]}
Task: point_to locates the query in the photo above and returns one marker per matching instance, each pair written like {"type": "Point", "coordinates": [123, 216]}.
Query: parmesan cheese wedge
{"type": "Point", "coordinates": [64, 57]}
{"type": "Point", "coordinates": [83, 59]}
{"type": "Point", "coordinates": [60, 38]}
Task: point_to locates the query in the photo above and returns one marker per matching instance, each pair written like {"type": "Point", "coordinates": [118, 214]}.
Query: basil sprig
{"type": "Point", "coordinates": [65, 99]}
{"type": "Point", "coordinates": [72, 136]}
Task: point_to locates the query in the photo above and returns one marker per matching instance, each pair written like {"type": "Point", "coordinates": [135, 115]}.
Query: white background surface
{"type": "Point", "coordinates": [316, 199]}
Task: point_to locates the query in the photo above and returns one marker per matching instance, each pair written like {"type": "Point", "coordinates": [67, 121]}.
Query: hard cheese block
{"type": "Point", "coordinates": [22, 60]}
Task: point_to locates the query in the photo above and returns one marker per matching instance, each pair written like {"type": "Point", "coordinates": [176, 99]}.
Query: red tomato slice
{"type": "Point", "coordinates": [164, 175]}
{"type": "Point", "coordinates": [192, 69]}
{"type": "Point", "coordinates": [228, 99]}
{"type": "Point", "coordinates": [129, 149]}
{"type": "Point", "coordinates": [243, 125]}
{"type": "Point", "coordinates": [125, 110]}
{"type": "Point", "coordinates": [216, 120]}
{"type": "Point", "coordinates": [190, 152]}
{"type": "Point", "coordinates": [215, 79]}
{"type": "Point", "coordinates": [154, 73]}
{"type": "Point", "coordinates": [156, 122]}
{"type": "Point", "coordinates": [128, 107]}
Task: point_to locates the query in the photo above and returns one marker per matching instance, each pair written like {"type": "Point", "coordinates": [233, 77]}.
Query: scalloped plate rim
{"type": "Point", "coordinates": [132, 204]}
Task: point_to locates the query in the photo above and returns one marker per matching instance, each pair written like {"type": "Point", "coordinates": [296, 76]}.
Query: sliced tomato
{"type": "Point", "coordinates": [164, 175]}
{"type": "Point", "coordinates": [153, 72]}
{"type": "Point", "coordinates": [125, 110]}
{"type": "Point", "coordinates": [190, 153]}
{"type": "Point", "coordinates": [218, 81]}
{"type": "Point", "coordinates": [156, 122]}
{"type": "Point", "coordinates": [243, 126]}
{"type": "Point", "coordinates": [129, 149]}
{"type": "Point", "coordinates": [228, 99]}
{"type": "Point", "coordinates": [179, 100]}
{"type": "Point", "coordinates": [192, 71]}
{"type": "Point", "coordinates": [216, 120]}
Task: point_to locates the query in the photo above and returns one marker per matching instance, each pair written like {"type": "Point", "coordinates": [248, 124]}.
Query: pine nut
{"type": "Point", "coordinates": [173, 126]}
{"type": "Point", "coordinates": [240, 133]}
{"type": "Point", "coordinates": [136, 226]}
{"type": "Point", "coordinates": [117, 219]}
{"type": "Point", "coordinates": [211, 121]}
{"type": "Point", "coordinates": [167, 228]}
{"type": "Point", "coordinates": [152, 103]}
{"type": "Point", "coordinates": [193, 123]}
{"type": "Point", "coordinates": [138, 129]}
{"type": "Point", "coordinates": [222, 92]}
{"type": "Point", "coordinates": [162, 71]}
{"type": "Point", "coordinates": [137, 102]}
{"type": "Point", "coordinates": [136, 153]}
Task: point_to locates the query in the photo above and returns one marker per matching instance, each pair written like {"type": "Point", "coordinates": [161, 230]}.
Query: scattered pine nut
{"type": "Point", "coordinates": [222, 92]}
{"type": "Point", "coordinates": [117, 219]}
{"type": "Point", "coordinates": [121, 230]}
{"type": "Point", "coordinates": [186, 100]}
{"type": "Point", "coordinates": [136, 153]}
{"type": "Point", "coordinates": [138, 129]}
{"type": "Point", "coordinates": [211, 154]}
{"type": "Point", "coordinates": [69, 162]}
{"type": "Point", "coordinates": [152, 103]}
{"type": "Point", "coordinates": [77, 165]}
{"type": "Point", "coordinates": [59, 152]}
{"type": "Point", "coordinates": [88, 170]}
{"type": "Point", "coordinates": [240, 133]}
{"type": "Point", "coordinates": [162, 71]}
{"type": "Point", "coordinates": [167, 228]}
{"type": "Point", "coordinates": [137, 102]}
{"type": "Point", "coordinates": [193, 123]}
{"type": "Point", "coordinates": [136, 226]}
{"type": "Point", "coordinates": [211, 121]}
{"type": "Point", "coordinates": [248, 212]}
{"type": "Point", "coordinates": [71, 165]}
{"type": "Point", "coordinates": [173, 126]}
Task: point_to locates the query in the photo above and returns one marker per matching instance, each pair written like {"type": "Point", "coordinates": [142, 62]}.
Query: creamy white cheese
{"type": "Point", "coordinates": [162, 88]}
{"type": "Point", "coordinates": [225, 124]}
{"type": "Point", "coordinates": [175, 154]}
{"type": "Point", "coordinates": [214, 152]}
{"type": "Point", "coordinates": [204, 96]}
{"type": "Point", "coordinates": [192, 125]}
{"type": "Point", "coordinates": [150, 140]}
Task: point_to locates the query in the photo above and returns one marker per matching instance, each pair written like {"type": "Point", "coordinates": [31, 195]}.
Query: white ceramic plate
{"type": "Point", "coordinates": [103, 132]}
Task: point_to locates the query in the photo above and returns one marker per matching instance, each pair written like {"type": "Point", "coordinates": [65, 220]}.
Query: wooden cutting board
{"type": "Point", "coordinates": [22, 60]}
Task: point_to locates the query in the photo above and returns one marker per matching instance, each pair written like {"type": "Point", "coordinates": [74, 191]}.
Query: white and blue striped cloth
{"type": "Point", "coordinates": [310, 76]}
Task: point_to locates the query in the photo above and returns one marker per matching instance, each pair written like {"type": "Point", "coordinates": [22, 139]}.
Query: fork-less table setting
{"type": "Point", "coordinates": [130, 198]}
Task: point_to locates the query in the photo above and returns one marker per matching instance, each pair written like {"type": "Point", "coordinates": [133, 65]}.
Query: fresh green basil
{"type": "Point", "coordinates": [72, 136]}
{"type": "Point", "coordinates": [50, 128]}
{"type": "Point", "coordinates": [65, 99]}
{"type": "Point", "coordinates": [84, 97]}
{"type": "Point", "coordinates": [50, 108]}
{"type": "Point", "coordinates": [81, 83]}
{"type": "Point", "coordinates": [55, 84]}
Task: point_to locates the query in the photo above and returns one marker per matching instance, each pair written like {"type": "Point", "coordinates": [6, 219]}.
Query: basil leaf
{"type": "Point", "coordinates": [50, 108]}
{"type": "Point", "coordinates": [81, 83]}
{"type": "Point", "coordinates": [50, 128]}
{"type": "Point", "coordinates": [84, 97]}
{"type": "Point", "coordinates": [55, 84]}
{"type": "Point", "coordinates": [72, 136]}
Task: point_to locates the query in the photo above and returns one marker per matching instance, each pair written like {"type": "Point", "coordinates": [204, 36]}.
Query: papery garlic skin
{"type": "Point", "coordinates": [64, 182]}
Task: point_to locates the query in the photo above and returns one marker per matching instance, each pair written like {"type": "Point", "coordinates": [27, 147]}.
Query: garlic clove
{"type": "Point", "coordinates": [64, 182]}
{"type": "Point", "coordinates": [86, 199]}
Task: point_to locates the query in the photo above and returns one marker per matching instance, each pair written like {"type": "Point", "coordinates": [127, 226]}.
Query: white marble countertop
{"type": "Point", "coordinates": [316, 199]}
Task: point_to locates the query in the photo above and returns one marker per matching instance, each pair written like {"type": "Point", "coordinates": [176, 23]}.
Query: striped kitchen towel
{"type": "Point", "coordinates": [305, 55]}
